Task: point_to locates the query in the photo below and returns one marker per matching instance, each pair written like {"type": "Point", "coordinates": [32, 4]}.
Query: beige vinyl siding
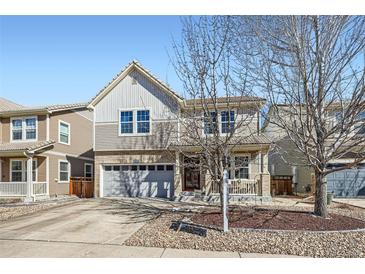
{"type": "Point", "coordinates": [77, 170]}
{"type": "Point", "coordinates": [107, 138]}
{"type": "Point", "coordinates": [81, 134]}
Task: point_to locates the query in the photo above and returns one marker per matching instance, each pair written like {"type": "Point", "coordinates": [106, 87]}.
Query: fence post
{"type": "Point", "coordinates": [70, 186]}
{"type": "Point", "coordinates": [225, 201]}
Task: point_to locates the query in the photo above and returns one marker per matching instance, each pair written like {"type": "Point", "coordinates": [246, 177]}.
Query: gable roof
{"type": "Point", "coordinates": [134, 65]}
{"type": "Point", "coordinates": [6, 105]}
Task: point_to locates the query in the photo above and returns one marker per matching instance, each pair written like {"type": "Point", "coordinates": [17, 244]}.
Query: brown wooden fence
{"type": "Point", "coordinates": [82, 187]}
{"type": "Point", "coordinates": [281, 185]}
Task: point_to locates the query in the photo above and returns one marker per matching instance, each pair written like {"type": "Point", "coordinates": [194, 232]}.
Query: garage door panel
{"type": "Point", "coordinates": [347, 183]}
{"type": "Point", "coordinates": [139, 183]}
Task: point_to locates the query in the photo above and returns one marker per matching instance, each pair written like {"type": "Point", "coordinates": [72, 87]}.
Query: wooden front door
{"type": "Point", "coordinates": [191, 179]}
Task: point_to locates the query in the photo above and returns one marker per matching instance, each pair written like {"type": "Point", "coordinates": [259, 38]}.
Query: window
{"type": "Point", "coordinates": [210, 123]}
{"type": "Point", "coordinates": [88, 170]}
{"type": "Point", "coordinates": [24, 129]}
{"type": "Point", "coordinates": [19, 170]}
{"type": "Point", "coordinates": [125, 168]}
{"type": "Point", "coordinates": [151, 168]}
{"type": "Point", "coordinates": [64, 133]}
{"type": "Point", "coordinates": [135, 122]}
{"type": "Point", "coordinates": [143, 121]}
{"type": "Point", "coordinates": [17, 131]}
{"type": "Point", "coordinates": [116, 168]}
{"type": "Point", "coordinates": [241, 168]}
{"type": "Point", "coordinates": [126, 122]}
{"type": "Point", "coordinates": [30, 128]}
{"type": "Point", "coordinates": [142, 167]}
{"type": "Point", "coordinates": [133, 167]}
{"type": "Point", "coordinates": [160, 167]}
{"type": "Point", "coordinates": [227, 120]}
{"type": "Point", "coordinates": [108, 168]}
{"type": "Point", "coordinates": [64, 171]}
{"type": "Point", "coordinates": [16, 171]}
{"type": "Point", "coordinates": [169, 167]}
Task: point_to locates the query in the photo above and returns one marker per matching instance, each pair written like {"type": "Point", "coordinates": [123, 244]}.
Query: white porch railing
{"type": "Point", "coordinates": [243, 186]}
{"type": "Point", "coordinates": [240, 187]}
{"type": "Point", "coordinates": [40, 188]}
{"type": "Point", "coordinates": [16, 189]}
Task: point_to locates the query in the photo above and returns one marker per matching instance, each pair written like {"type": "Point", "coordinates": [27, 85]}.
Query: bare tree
{"type": "Point", "coordinates": [311, 69]}
{"type": "Point", "coordinates": [214, 89]}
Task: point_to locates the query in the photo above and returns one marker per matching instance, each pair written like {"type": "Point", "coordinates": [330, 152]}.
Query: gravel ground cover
{"type": "Point", "coordinates": [158, 233]}
{"type": "Point", "coordinates": [10, 209]}
{"type": "Point", "coordinates": [278, 220]}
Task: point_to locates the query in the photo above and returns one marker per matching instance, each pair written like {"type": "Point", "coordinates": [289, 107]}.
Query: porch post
{"type": "Point", "coordinates": [29, 197]}
{"type": "Point", "coordinates": [1, 174]}
{"type": "Point", "coordinates": [177, 181]}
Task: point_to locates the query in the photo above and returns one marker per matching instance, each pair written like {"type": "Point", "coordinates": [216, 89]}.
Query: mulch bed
{"type": "Point", "coordinates": [278, 220]}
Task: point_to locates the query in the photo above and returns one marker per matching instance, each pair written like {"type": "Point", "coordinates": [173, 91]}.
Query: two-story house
{"type": "Point", "coordinates": [137, 142]}
{"type": "Point", "coordinates": [42, 147]}
{"type": "Point", "coordinates": [288, 165]}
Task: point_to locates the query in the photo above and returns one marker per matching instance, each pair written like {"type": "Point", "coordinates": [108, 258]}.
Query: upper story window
{"type": "Point", "coordinates": [64, 130]}
{"type": "Point", "coordinates": [23, 129]}
{"type": "Point", "coordinates": [135, 122]}
{"type": "Point", "coordinates": [210, 122]}
{"type": "Point", "coordinates": [143, 121]}
{"type": "Point", "coordinates": [227, 121]}
{"type": "Point", "coordinates": [126, 122]}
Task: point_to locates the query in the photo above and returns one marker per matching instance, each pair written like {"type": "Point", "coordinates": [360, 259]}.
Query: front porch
{"type": "Point", "coordinates": [23, 171]}
{"type": "Point", "coordinates": [249, 177]}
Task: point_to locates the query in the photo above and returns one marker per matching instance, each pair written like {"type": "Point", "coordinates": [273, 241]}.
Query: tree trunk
{"type": "Point", "coordinates": [320, 205]}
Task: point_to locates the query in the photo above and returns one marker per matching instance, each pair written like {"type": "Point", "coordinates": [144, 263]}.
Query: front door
{"type": "Point", "coordinates": [191, 179]}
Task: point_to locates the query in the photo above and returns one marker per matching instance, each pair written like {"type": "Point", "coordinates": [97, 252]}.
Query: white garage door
{"type": "Point", "coordinates": [138, 181]}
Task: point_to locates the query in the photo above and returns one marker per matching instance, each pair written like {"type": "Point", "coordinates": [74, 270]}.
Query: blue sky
{"type": "Point", "coordinates": [65, 59]}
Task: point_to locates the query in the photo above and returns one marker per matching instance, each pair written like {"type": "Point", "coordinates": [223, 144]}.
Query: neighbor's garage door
{"type": "Point", "coordinates": [347, 183]}
{"type": "Point", "coordinates": [138, 181]}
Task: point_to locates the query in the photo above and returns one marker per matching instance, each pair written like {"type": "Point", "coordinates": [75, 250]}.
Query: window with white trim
{"type": "Point", "coordinates": [241, 168]}
{"type": "Point", "coordinates": [18, 170]}
{"type": "Point", "coordinates": [143, 121]}
{"type": "Point", "coordinates": [88, 170]}
{"type": "Point", "coordinates": [126, 122]}
{"type": "Point", "coordinates": [360, 127]}
{"type": "Point", "coordinates": [227, 121]}
{"type": "Point", "coordinates": [210, 122]}
{"type": "Point", "coordinates": [64, 133]}
{"type": "Point", "coordinates": [63, 171]}
{"type": "Point", "coordinates": [24, 129]}
{"type": "Point", "coordinates": [134, 122]}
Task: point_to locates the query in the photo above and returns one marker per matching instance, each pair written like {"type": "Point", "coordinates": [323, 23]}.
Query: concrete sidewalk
{"type": "Point", "coordinates": [354, 202]}
{"type": "Point", "coordinates": [53, 249]}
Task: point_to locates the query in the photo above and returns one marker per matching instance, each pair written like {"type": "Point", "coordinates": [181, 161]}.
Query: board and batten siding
{"type": "Point", "coordinates": [135, 91]}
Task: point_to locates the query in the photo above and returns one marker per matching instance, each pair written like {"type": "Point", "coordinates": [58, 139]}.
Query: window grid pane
{"type": "Point", "coordinates": [210, 123]}
{"type": "Point", "coordinates": [227, 121]}
{"type": "Point", "coordinates": [17, 129]}
{"type": "Point", "coordinates": [126, 122]}
{"type": "Point", "coordinates": [143, 121]}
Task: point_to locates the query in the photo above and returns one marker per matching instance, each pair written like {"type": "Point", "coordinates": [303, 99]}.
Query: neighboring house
{"type": "Point", "coordinates": [287, 162]}
{"type": "Point", "coordinates": [51, 143]}
{"type": "Point", "coordinates": [136, 130]}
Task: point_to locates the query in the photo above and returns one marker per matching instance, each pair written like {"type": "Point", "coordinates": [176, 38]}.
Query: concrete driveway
{"type": "Point", "coordinates": [75, 230]}
{"type": "Point", "coordinates": [92, 228]}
